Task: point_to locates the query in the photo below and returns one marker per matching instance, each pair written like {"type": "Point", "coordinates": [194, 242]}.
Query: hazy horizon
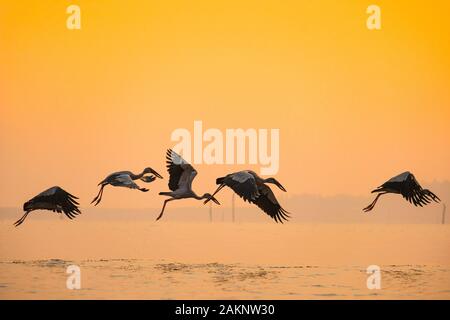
{"type": "Point", "coordinates": [306, 208]}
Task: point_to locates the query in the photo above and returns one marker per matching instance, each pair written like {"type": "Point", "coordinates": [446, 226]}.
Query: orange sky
{"type": "Point", "coordinates": [353, 106]}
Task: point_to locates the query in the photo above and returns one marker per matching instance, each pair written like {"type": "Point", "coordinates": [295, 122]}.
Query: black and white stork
{"type": "Point", "coordinates": [126, 179]}
{"type": "Point", "coordinates": [55, 199]}
{"type": "Point", "coordinates": [180, 182]}
{"type": "Point", "coordinates": [406, 185]}
{"type": "Point", "coordinates": [252, 188]}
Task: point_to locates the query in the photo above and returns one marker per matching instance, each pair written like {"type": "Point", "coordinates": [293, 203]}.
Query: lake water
{"type": "Point", "coordinates": [146, 260]}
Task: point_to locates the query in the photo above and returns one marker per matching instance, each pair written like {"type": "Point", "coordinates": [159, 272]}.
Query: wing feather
{"type": "Point", "coordinates": [246, 186]}
{"type": "Point", "coordinates": [268, 203]}
{"type": "Point", "coordinates": [412, 191]}
{"type": "Point", "coordinates": [178, 169]}
{"type": "Point", "coordinates": [243, 184]}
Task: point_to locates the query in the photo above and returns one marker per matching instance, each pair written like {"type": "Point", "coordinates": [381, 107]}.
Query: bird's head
{"type": "Point", "coordinates": [150, 170]}
{"type": "Point", "coordinates": [208, 197]}
{"type": "Point", "coordinates": [275, 182]}
{"type": "Point", "coordinates": [148, 179]}
{"type": "Point", "coordinates": [28, 206]}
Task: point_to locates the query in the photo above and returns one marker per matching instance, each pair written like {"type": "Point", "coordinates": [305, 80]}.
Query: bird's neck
{"type": "Point", "coordinates": [137, 176]}
{"type": "Point", "coordinates": [196, 196]}
{"type": "Point", "coordinates": [268, 180]}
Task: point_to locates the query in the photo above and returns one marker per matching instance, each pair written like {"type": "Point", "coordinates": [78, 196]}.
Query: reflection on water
{"type": "Point", "coordinates": [148, 279]}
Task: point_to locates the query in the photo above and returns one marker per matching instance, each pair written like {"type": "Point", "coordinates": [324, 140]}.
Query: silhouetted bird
{"type": "Point", "coordinates": [406, 185]}
{"type": "Point", "coordinates": [181, 176]}
{"type": "Point", "coordinates": [252, 188]}
{"type": "Point", "coordinates": [126, 179]}
{"type": "Point", "coordinates": [55, 199]}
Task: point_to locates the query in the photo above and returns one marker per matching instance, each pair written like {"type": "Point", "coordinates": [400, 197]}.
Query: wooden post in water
{"type": "Point", "coordinates": [443, 213]}
{"type": "Point", "coordinates": [210, 211]}
{"type": "Point", "coordinates": [232, 207]}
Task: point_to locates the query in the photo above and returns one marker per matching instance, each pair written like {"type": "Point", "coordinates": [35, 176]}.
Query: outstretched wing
{"type": "Point", "coordinates": [242, 183]}
{"type": "Point", "coordinates": [67, 203]}
{"type": "Point", "coordinates": [267, 202]}
{"type": "Point", "coordinates": [55, 199]}
{"type": "Point", "coordinates": [61, 201]}
{"type": "Point", "coordinates": [124, 180]}
{"type": "Point", "coordinates": [413, 192]}
{"type": "Point", "coordinates": [181, 173]}
{"type": "Point", "coordinates": [394, 184]}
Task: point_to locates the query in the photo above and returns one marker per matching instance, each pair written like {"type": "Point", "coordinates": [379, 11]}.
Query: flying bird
{"type": "Point", "coordinates": [55, 199]}
{"type": "Point", "coordinates": [406, 185]}
{"type": "Point", "coordinates": [126, 179]}
{"type": "Point", "coordinates": [180, 182]}
{"type": "Point", "coordinates": [252, 188]}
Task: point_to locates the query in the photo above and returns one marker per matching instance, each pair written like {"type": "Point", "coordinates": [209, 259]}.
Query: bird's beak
{"type": "Point", "coordinates": [281, 187]}
{"type": "Point", "coordinates": [157, 174]}
{"type": "Point", "coordinates": [215, 200]}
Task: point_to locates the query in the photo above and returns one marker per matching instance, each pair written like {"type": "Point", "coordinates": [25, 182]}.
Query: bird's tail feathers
{"type": "Point", "coordinates": [164, 193]}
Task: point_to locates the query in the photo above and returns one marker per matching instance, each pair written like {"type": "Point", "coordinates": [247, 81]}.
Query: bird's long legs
{"type": "Point", "coordinates": [212, 196]}
{"type": "Point", "coordinates": [21, 220]}
{"type": "Point", "coordinates": [98, 198]}
{"type": "Point", "coordinates": [370, 206]}
{"type": "Point", "coordinates": [164, 206]}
